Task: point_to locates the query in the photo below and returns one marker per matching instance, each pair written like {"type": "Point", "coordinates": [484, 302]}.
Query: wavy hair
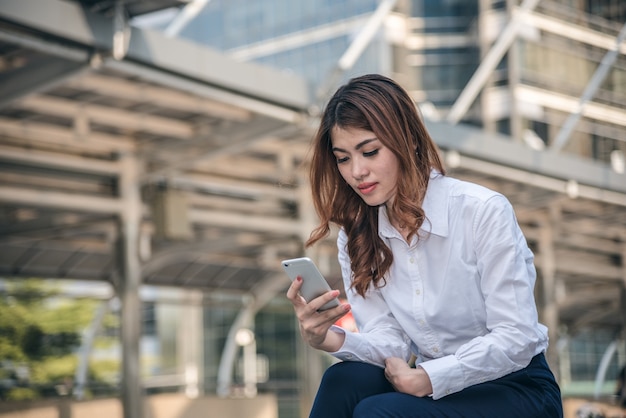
{"type": "Point", "coordinates": [377, 104]}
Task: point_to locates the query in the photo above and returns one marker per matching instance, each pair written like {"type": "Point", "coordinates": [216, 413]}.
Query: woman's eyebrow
{"type": "Point", "coordinates": [358, 146]}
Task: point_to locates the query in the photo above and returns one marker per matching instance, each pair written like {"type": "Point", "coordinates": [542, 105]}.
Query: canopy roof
{"type": "Point", "coordinates": [219, 147]}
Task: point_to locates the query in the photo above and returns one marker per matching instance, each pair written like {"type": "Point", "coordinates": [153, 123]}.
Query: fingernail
{"type": "Point", "coordinates": [299, 278]}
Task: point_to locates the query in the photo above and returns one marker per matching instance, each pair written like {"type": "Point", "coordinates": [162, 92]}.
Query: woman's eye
{"type": "Point", "coordinates": [370, 153]}
{"type": "Point", "coordinates": [342, 160]}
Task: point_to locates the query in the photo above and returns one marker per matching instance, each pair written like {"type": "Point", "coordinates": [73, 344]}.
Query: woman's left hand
{"type": "Point", "coordinates": [406, 379]}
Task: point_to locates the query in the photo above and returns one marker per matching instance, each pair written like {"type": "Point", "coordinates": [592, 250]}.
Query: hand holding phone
{"type": "Point", "coordinates": [313, 282]}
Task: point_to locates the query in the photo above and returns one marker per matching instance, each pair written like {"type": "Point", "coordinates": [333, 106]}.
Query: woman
{"type": "Point", "coordinates": [433, 267]}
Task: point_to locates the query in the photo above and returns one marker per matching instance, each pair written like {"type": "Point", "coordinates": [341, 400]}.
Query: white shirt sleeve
{"type": "Point", "coordinates": [507, 278]}
{"type": "Point", "coordinates": [379, 335]}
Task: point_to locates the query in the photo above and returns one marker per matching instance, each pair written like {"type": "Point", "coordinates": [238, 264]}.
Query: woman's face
{"type": "Point", "coordinates": [369, 167]}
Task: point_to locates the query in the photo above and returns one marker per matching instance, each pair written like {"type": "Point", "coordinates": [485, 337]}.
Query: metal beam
{"type": "Point", "coordinates": [570, 104]}
{"type": "Point", "coordinates": [46, 133]}
{"type": "Point", "coordinates": [571, 31]}
{"type": "Point", "coordinates": [541, 181]}
{"type": "Point", "coordinates": [47, 225]}
{"type": "Point", "coordinates": [59, 200]}
{"type": "Point", "coordinates": [488, 64]}
{"type": "Point", "coordinates": [294, 40]}
{"type": "Point", "coordinates": [61, 161]}
{"type": "Point", "coordinates": [365, 36]}
{"type": "Point", "coordinates": [544, 169]}
{"type": "Point", "coordinates": [225, 144]}
{"type": "Point", "coordinates": [37, 77]}
{"type": "Point", "coordinates": [278, 226]}
{"type": "Point", "coordinates": [186, 15]}
{"type": "Point", "coordinates": [159, 96]}
{"type": "Point", "coordinates": [44, 46]}
{"type": "Point", "coordinates": [218, 93]}
{"type": "Point", "coordinates": [119, 118]}
{"type": "Point", "coordinates": [225, 186]}
{"type": "Point", "coordinates": [356, 47]}
{"type": "Point", "coordinates": [590, 90]}
{"type": "Point", "coordinates": [179, 58]}
{"type": "Point", "coordinates": [195, 251]}
{"type": "Point", "coordinates": [605, 362]}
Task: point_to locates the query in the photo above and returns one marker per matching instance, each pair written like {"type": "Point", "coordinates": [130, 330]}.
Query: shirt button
{"type": "Point", "coordinates": [422, 322]}
{"type": "Point", "coordinates": [418, 292]}
{"type": "Point", "coordinates": [411, 260]}
{"type": "Point", "coordinates": [435, 349]}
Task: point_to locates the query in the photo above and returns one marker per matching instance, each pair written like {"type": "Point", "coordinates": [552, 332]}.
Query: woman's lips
{"type": "Point", "coordinates": [366, 188]}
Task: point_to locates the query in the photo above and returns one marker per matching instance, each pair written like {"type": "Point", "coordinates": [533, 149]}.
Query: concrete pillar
{"type": "Point", "coordinates": [190, 343]}
{"type": "Point", "coordinates": [513, 69]}
{"type": "Point", "coordinates": [132, 395]}
{"type": "Point", "coordinates": [623, 292]}
{"type": "Point", "coordinates": [547, 267]}
{"type": "Point", "coordinates": [309, 360]}
{"type": "Point", "coordinates": [485, 42]}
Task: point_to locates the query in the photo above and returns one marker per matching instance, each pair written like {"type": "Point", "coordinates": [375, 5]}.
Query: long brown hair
{"type": "Point", "coordinates": [378, 104]}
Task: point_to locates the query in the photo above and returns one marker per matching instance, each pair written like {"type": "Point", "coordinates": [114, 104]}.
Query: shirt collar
{"type": "Point", "coordinates": [435, 207]}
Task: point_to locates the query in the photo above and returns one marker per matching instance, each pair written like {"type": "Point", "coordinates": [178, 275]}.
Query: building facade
{"type": "Point", "coordinates": [543, 70]}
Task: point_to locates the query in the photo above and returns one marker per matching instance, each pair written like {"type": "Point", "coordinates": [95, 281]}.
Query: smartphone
{"type": "Point", "coordinates": [313, 283]}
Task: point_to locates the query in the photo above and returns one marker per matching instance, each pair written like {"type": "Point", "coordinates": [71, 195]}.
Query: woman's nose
{"type": "Point", "coordinates": [359, 168]}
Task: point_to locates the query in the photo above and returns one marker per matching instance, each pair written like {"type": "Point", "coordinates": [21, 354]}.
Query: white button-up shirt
{"type": "Point", "coordinates": [460, 297]}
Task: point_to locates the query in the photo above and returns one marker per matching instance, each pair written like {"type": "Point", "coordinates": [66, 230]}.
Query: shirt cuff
{"type": "Point", "coordinates": [446, 375]}
{"type": "Point", "coordinates": [352, 344]}
{"type": "Point", "coordinates": [345, 352]}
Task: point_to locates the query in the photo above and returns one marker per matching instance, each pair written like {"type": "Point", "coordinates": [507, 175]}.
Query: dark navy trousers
{"type": "Point", "coordinates": [359, 390]}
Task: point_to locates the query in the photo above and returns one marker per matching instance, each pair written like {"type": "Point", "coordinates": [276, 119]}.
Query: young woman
{"type": "Point", "coordinates": [433, 268]}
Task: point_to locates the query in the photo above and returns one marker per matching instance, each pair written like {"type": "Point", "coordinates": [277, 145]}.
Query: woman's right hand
{"type": "Point", "coordinates": [315, 325]}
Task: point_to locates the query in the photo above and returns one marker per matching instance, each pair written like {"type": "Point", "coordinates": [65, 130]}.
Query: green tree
{"type": "Point", "coordinates": [39, 333]}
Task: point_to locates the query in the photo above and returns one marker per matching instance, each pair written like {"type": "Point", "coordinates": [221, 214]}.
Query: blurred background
{"type": "Point", "coordinates": [153, 160]}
